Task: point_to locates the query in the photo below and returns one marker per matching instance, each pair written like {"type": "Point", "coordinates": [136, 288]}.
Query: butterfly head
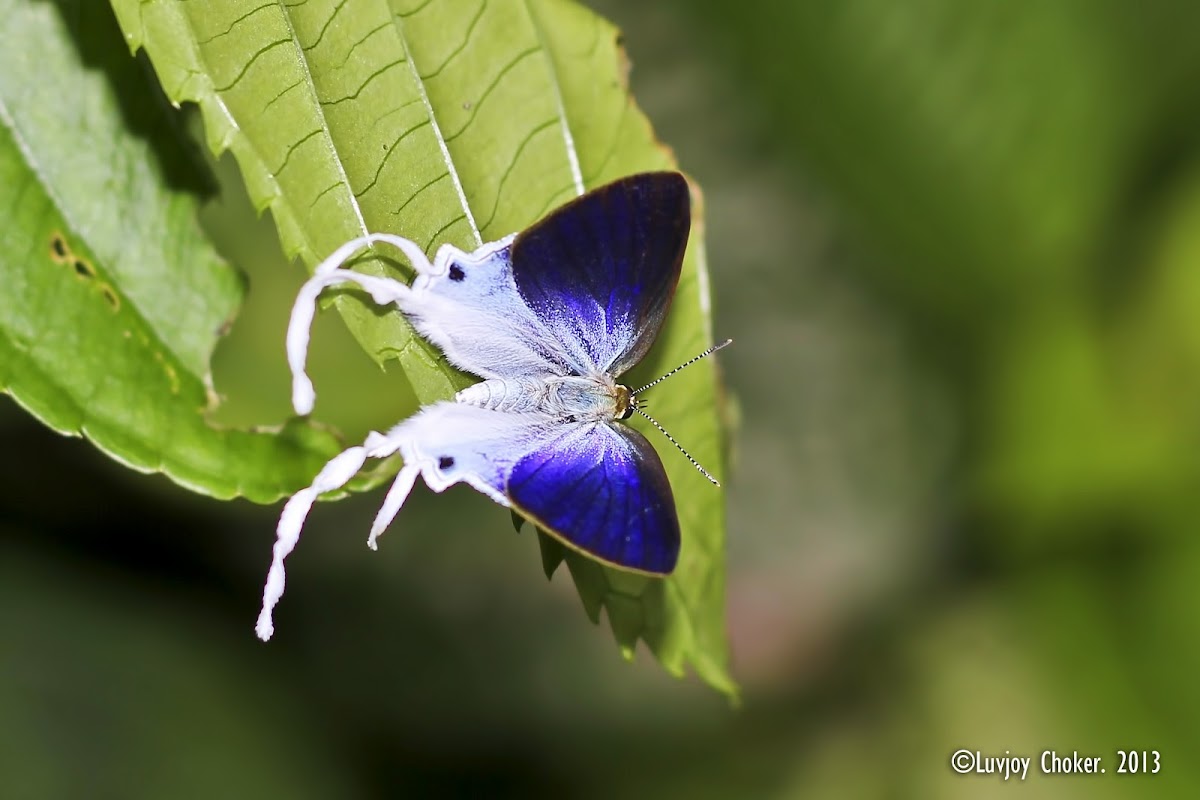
{"type": "Point", "coordinates": [625, 402]}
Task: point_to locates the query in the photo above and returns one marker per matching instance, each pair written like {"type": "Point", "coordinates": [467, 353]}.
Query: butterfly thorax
{"type": "Point", "coordinates": [571, 397]}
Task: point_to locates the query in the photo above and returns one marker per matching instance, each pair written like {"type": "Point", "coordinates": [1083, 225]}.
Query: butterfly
{"type": "Point", "coordinates": [548, 318]}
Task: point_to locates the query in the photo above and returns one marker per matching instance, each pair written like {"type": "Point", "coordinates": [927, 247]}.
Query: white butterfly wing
{"type": "Point", "coordinates": [451, 443]}
{"type": "Point", "coordinates": [468, 305]}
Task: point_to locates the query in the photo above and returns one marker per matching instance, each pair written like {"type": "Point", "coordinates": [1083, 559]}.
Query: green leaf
{"type": "Point", "coordinates": [456, 121]}
{"type": "Point", "coordinates": [113, 300]}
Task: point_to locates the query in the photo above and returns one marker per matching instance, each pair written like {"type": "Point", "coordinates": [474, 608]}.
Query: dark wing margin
{"type": "Point", "coordinates": [601, 489]}
{"type": "Point", "coordinates": [601, 270]}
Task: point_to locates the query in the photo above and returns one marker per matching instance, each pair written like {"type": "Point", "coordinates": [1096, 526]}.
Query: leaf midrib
{"type": "Point", "coordinates": [320, 106]}
{"type": "Point", "coordinates": [559, 102]}
{"type": "Point", "coordinates": [443, 148]}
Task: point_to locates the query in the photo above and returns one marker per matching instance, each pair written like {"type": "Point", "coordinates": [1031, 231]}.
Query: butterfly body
{"type": "Point", "coordinates": [570, 398]}
{"type": "Point", "coordinates": [549, 319]}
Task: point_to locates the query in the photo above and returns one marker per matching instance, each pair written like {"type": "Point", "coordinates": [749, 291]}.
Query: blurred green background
{"type": "Point", "coordinates": [958, 247]}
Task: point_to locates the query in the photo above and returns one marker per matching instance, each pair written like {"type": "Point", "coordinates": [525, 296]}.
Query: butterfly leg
{"type": "Point", "coordinates": [381, 446]}
{"type": "Point", "coordinates": [328, 273]}
{"type": "Point", "coordinates": [334, 475]}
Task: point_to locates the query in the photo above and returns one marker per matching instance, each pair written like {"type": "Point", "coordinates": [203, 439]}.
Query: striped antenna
{"type": "Point", "coordinates": [686, 454]}
{"type": "Point", "coordinates": [688, 363]}
{"type": "Point", "coordinates": [638, 407]}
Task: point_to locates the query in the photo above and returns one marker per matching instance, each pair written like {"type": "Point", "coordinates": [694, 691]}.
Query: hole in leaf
{"type": "Point", "coordinates": [83, 269]}
{"type": "Point", "coordinates": [58, 248]}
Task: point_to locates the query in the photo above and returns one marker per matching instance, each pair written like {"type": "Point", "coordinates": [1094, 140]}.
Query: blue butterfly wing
{"type": "Point", "coordinates": [601, 270]}
{"type": "Point", "coordinates": [601, 488]}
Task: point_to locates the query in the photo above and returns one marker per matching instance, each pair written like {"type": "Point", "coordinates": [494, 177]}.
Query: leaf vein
{"type": "Point", "coordinates": [323, 192]}
{"type": "Point", "coordinates": [462, 45]}
{"type": "Point", "coordinates": [294, 146]}
{"type": "Point", "coordinates": [612, 145]}
{"type": "Point", "coordinates": [233, 24]}
{"type": "Point", "coordinates": [354, 46]}
{"type": "Point", "coordinates": [420, 190]}
{"type": "Point", "coordinates": [412, 11]}
{"type": "Point", "coordinates": [554, 201]}
{"type": "Point", "coordinates": [383, 161]}
{"type": "Point", "coordinates": [246, 67]}
{"type": "Point", "coordinates": [397, 110]}
{"type": "Point", "coordinates": [489, 89]}
{"type": "Point", "coordinates": [512, 164]}
{"type": "Point", "coordinates": [325, 27]}
{"type": "Point", "coordinates": [279, 96]}
{"type": "Point", "coordinates": [437, 234]}
{"type": "Point", "coordinates": [362, 87]}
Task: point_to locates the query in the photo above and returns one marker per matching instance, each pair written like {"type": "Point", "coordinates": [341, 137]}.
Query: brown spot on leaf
{"type": "Point", "coordinates": [172, 375]}
{"type": "Point", "coordinates": [111, 297]}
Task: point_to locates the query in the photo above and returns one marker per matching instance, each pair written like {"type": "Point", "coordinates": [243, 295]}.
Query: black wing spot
{"type": "Point", "coordinates": [445, 463]}
{"type": "Point", "coordinates": [456, 273]}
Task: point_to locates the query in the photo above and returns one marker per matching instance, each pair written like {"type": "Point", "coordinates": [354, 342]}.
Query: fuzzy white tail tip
{"type": "Point", "coordinates": [304, 396]}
